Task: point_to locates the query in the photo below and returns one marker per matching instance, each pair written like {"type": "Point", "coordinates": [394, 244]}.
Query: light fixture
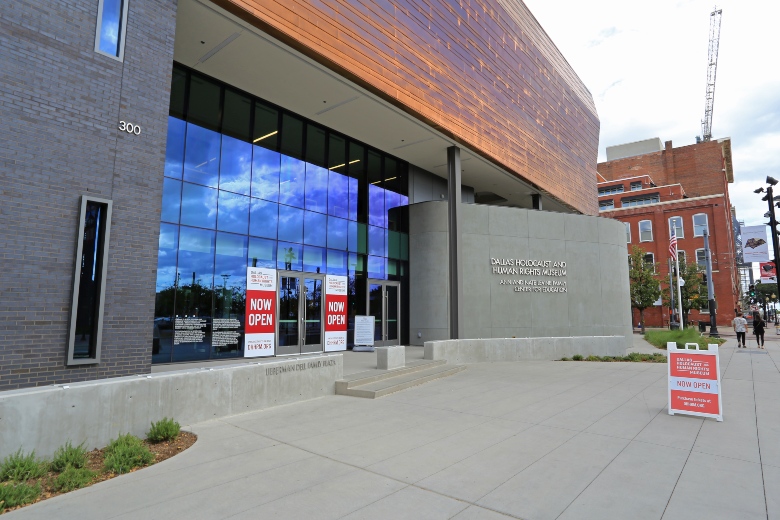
{"type": "Point", "coordinates": [771, 180]}
{"type": "Point", "coordinates": [353, 162]}
{"type": "Point", "coordinates": [759, 190]}
{"type": "Point", "coordinates": [266, 135]}
{"type": "Point", "coordinates": [766, 215]}
{"type": "Point", "coordinates": [765, 197]}
{"type": "Point", "coordinates": [337, 166]}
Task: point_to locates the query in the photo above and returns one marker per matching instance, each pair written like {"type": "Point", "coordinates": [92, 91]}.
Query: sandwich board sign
{"type": "Point", "coordinates": [364, 334]}
{"type": "Point", "coordinates": [694, 380]}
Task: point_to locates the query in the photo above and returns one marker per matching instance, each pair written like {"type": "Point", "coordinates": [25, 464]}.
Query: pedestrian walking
{"type": "Point", "coordinates": [740, 327]}
{"type": "Point", "coordinates": [758, 330]}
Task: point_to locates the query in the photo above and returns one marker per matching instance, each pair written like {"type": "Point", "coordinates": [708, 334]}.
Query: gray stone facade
{"type": "Point", "coordinates": [596, 301]}
{"type": "Point", "coordinates": [60, 105]}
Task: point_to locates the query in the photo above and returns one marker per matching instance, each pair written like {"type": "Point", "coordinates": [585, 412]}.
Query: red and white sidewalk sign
{"type": "Point", "coordinates": [694, 381]}
{"type": "Point", "coordinates": [335, 313]}
{"type": "Point", "coordinates": [260, 325]}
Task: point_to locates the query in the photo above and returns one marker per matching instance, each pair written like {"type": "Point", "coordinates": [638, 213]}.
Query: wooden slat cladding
{"type": "Point", "coordinates": [483, 72]}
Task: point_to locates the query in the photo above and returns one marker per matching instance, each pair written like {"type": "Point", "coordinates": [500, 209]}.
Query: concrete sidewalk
{"type": "Point", "coordinates": [531, 440]}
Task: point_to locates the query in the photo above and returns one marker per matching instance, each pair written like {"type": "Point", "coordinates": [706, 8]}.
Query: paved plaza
{"type": "Point", "coordinates": [531, 440]}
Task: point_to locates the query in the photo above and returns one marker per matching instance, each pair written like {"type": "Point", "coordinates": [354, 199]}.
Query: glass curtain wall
{"type": "Point", "coordinates": [247, 183]}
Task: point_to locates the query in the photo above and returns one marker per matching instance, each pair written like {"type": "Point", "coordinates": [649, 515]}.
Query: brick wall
{"type": "Point", "coordinates": [60, 104]}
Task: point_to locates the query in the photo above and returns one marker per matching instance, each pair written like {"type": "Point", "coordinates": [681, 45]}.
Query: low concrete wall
{"type": "Point", "coordinates": [94, 412]}
{"type": "Point", "coordinates": [523, 349]}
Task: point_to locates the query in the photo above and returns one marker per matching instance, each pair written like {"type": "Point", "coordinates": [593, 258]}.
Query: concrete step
{"type": "Point", "coordinates": [395, 380]}
{"type": "Point", "coordinates": [371, 376]}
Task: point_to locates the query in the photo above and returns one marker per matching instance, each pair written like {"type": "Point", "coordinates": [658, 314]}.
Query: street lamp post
{"type": "Point", "coordinates": [772, 221]}
{"type": "Point", "coordinates": [710, 285]}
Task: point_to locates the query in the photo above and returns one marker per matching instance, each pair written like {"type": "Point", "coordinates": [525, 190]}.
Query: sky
{"type": "Point", "coordinates": [646, 66]}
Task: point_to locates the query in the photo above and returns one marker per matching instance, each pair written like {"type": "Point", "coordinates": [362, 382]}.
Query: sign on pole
{"type": "Point", "coordinates": [694, 380]}
{"type": "Point", "coordinates": [260, 325]}
{"type": "Point", "coordinates": [364, 334]}
{"type": "Point", "coordinates": [335, 313]}
{"type": "Point", "coordinates": [754, 245]}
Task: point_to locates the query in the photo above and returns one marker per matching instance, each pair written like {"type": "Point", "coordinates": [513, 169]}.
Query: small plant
{"type": "Point", "coordinates": [73, 478]}
{"type": "Point", "coordinates": [20, 468]}
{"type": "Point", "coordinates": [13, 495]}
{"type": "Point", "coordinates": [69, 455]}
{"type": "Point", "coordinates": [163, 430]}
{"type": "Point", "coordinates": [565, 359]}
{"type": "Point", "coordinates": [593, 358]}
{"type": "Point", "coordinates": [577, 357]}
{"type": "Point", "coordinates": [125, 453]}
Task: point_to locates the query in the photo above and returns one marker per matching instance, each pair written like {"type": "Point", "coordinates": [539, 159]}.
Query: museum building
{"type": "Point", "coordinates": [437, 158]}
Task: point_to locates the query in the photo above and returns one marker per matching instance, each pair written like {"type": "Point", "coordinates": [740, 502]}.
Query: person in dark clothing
{"type": "Point", "coordinates": [758, 330]}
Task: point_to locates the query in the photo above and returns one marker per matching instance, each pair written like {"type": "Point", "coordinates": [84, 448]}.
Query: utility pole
{"type": "Point", "coordinates": [773, 226]}
{"type": "Point", "coordinates": [671, 295]}
{"type": "Point", "coordinates": [710, 285]}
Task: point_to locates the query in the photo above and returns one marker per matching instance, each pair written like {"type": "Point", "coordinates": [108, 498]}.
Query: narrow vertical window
{"type": "Point", "coordinates": [111, 25]}
{"type": "Point", "coordinates": [86, 318]}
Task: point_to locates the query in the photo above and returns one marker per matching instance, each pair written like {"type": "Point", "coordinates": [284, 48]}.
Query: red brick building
{"type": "Point", "coordinates": [685, 187]}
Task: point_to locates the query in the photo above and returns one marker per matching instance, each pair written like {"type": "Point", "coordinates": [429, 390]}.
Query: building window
{"type": "Point", "coordinates": [606, 204]}
{"type": "Point", "coordinates": [701, 259]}
{"type": "Point", "coordinates": [610, 190]}
{"type": "Point", "coordinates": [111, 26]}
{"type": "Point", "coordinates": [86, 316]}
{"type": "Point", "coordinates": [676, 224]}
{"type": "Point", "coordinates": [635, 186]}
{"type": "Point", "coordinates": [645, 231]}
{"type": "Point", "coordinates": [700, 224]}
{"type": "Point", "coordinates": [650, 260]}
{"type": "Point", "coordinates": [628, 232]}
{"type": "Point", "coordinates": [640, 201]}
{"type": "Point", "coordinates": [681, 257]}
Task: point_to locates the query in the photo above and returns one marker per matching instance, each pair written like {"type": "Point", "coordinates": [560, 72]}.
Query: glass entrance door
{"type": "Point", "coordinates": [300, 313]}
{"type": "Point", "coordinates": [384, 303]}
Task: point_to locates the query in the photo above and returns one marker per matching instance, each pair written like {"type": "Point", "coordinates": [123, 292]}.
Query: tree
{"type": "Point", "coordinates": [645, 285]}
{"type": "Point", "coordinates": [694, 292]}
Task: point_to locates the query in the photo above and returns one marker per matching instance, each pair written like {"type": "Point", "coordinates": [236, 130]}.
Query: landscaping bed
{"type": "Point", "coordinates": [660, 337]}
{"type": "Point", "coordinates": [25, 479]}
{"type": "Point", "coordinates": [634, 357]}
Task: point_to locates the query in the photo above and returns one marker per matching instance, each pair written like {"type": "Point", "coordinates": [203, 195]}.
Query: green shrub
{"type": "Point", "coordinates": [577, 357]}
{"type": "Point", "coordinates": [659, 337]}
{"type": "Point", "coordinates": [593, 358]}
{"type": "Point", "coordinates": [69, 455]}
{"type": "Point", "coordinates": [12, 495]}
{"type": "Point", "coordinates": [565, 359]}
{"type": "Point", "coordinates": [125, 453]}
{"type": "Point", "coordinates": [163, 430]}
{"type": "Point", "coordinates": [20, 468]}
{"type": "Point", "coordinates": [73, 478]}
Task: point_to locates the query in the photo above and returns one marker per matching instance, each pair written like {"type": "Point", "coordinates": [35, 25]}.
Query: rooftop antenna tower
{"type": "Point", "coordinates": [712, 68]}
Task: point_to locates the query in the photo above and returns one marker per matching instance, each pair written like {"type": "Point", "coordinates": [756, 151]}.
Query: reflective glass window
{"type": "Point", "coordinates": [266, 131]}
{"type": "Point", "coordinates": [178, 92]}
{"type": "Point", "coordinates": [315, 145]}
{"type": "Point", "coordinates": [166, 289]}
{"type": "Point", "coordinates": [262, 253]}
{"type": "Point", "coordinates": [337, 159]}
{"type": "Point", "coordinates": [229, 295]}
{"type": "Point", "coordinates": [676, 224]}
{"type": "Point", "coordinates": [337, 262]}
{"type": "Point", "coordinates": [392, 200]}
{"type": "Point", "coordinates": [338, 195]}
{"type": "Point", "coordinates": [376, 267]}
{"type": "Point", "coordinates": [263, 218]}
{"type": "Point", "coordinates": [289, 257]}
{"type": "Point", "coordinates": [174, 148]}
{"type": "Point", "coordinates": [376, 206]}
{"type": "Point", "coordinates": [171, 201]}
{"type": "Point", "coordinates": [352, 235]}
{"type": "Point", "coordinates": [111, 25]}
{"type": "Point", "coordinates": [374, 168]}
{"type": "Point", "coordinates": [392, 269]}
{"type": "Point", "coordinates": [376, 241]}
{"type": "Point", "coordinates": [265, 174]}
{"type": "Point", "coordinates": [290, 224]}
{"type": "Point", "coordinates": [314, 228]}
{"type": "Point", "coordinates": [233, 214]}
{"type": "Point", "coordinates": [236, 115]}
{"type": "Point", "coordinates": [194, 301]}
{"type": "Point", "coordinates": [700, 224]}
{"type": "Point", "coordinates": [313, 259]}
{"type": "Point", "coordinates": [316, 188]}
{"type": "Point", "coordinates": [353, 198]}
{"type": "Point", "coordinates": [394, 244]}
{"type": "Point", "coordinates": [292, 136]}
{"type": "Point", "coordinates": [201, 156]}
{"type": "Point", "coordinates": [362, 238]}
{"type": "Point", "coordinates": [204, 103]}
{"type": "Point", "coordinates": [198, 206]}
{"type": "Point", "coordinates": [291, 182]}
{"type": "Point", "coordinates": [235, 171]}
{"type": "Point", "coordinates": [338, 229]}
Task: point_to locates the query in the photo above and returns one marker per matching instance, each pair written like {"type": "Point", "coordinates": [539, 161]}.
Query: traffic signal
{"type": "Point", "coordinates": [752, 291]}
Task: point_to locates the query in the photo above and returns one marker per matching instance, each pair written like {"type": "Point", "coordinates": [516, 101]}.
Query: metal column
{"type": "Point", "coordinates": [454, 228]}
